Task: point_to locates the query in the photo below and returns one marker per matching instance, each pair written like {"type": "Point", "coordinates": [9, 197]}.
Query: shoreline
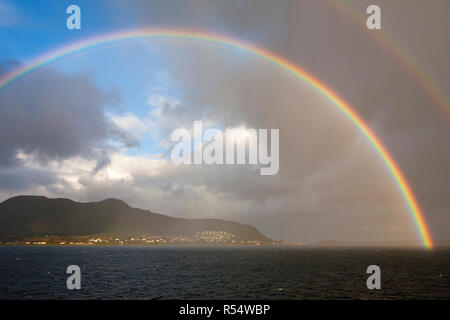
{"type": "Point", "coordinates": [287, 246]}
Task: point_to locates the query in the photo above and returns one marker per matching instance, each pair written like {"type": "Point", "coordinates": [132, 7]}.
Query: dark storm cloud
{"type": "Point", "coordinates": [54, 117]}
{"type": "Point", "coordinates": [18, 179]}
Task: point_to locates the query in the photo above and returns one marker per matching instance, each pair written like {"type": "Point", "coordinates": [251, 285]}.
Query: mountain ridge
{"type": "Point", "coordinates": [29, 215]}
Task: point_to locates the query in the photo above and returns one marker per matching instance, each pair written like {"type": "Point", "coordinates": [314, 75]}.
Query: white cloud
{"type": "Point", "coordinates": [130, 123]}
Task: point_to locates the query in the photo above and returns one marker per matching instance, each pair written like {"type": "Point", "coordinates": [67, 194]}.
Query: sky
{"type": "Point", "coordinates": [95, 124]}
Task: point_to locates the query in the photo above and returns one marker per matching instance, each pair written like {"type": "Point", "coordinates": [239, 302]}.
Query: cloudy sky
{"type": "Point", "coordinates": [94, 124]}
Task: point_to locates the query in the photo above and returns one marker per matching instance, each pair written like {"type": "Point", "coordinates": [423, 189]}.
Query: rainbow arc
{"type": "Point", "coordinates": [406, 191]}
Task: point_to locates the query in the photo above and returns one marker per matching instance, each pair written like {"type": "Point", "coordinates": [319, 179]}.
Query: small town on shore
{"type": "Point", "coordinates": [206, 237]}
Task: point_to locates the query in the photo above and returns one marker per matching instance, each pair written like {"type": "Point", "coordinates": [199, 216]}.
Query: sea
{"type": "Point", "coordinates": [39, 272]}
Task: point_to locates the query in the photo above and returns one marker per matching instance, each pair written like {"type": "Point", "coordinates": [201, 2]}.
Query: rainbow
{"type": "Point", "coordinates": [403, 57]}
{"type": "Point", "coordinates": [395, 171]}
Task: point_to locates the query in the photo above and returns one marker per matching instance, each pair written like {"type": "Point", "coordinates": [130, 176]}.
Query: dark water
{"type": "Point", "coordinates": [222, 273]}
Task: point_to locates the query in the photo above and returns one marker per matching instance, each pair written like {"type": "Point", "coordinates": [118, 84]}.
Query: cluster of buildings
{"type": "Point", "coordinates": [203, 237]}
{"type": "Point", "coordinates": [215, 237]}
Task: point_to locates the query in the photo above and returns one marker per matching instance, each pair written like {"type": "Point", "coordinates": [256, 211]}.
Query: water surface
{"type": "Point", "coordinates": [222, 273]}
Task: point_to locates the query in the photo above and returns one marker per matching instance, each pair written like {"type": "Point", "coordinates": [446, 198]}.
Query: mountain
{"type": "Point", "coordinates": [30, 216]}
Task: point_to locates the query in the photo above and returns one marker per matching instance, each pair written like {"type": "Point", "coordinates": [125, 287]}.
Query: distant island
{"type": "Point", "coordinates": [38, 220]}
